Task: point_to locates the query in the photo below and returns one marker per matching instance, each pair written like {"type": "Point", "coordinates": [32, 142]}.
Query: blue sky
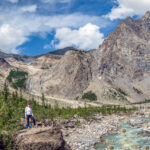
{"type": "Point", "coordinates": [33, 27]}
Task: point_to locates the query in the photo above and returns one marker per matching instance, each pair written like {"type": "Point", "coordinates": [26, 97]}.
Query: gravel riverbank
{"type": "Point", "coordinates": [85, 135]}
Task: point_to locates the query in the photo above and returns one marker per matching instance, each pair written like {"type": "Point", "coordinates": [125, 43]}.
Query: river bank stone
{"type": "Point", "coordinates": [47, 138]}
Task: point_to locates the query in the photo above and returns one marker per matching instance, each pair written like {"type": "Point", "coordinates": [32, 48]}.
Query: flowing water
{"type": "Point", "coordinates": [136, 137]}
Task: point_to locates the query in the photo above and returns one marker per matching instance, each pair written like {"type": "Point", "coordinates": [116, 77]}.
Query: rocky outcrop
{"type": "Point", "coordinates": [127, 49]}
{"type": "Point", "coordinates": [4, 70]}
{"type": "Point", "coordinates": [46, 61]}
{"type": "Point", "coordinates": [47, 138]}
{"type": "Point", "coordinates": [4, 64]}
{"type": "Point", "coordinates": [66, 77]}
{"type": "Point", "coordinates": [125, 57]}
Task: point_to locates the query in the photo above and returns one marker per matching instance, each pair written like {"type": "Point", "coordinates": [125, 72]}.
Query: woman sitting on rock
{"type": "Point", "coordinates": [29, 114]}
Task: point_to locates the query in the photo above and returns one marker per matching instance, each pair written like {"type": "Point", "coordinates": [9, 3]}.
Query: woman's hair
{"type": "Point", "coordinates": [29, 103]}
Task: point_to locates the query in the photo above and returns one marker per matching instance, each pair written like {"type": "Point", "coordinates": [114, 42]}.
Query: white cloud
{"type": "Point", "coordinates": [86, 37]}
{"type": "Point", "coordinates": [129, 8]}
{"type": "Point", "coordinates": [14, 32]}
{"type": "Point", "coordinates": [9, 36]}
{"type": "Point", "coordinates": [30, 8]}
{"type": "Point", "coordinates": [14, 1]}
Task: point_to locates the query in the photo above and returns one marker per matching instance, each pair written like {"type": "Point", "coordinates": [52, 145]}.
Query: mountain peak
{"type": "Point", "coordinates": [63, 51]}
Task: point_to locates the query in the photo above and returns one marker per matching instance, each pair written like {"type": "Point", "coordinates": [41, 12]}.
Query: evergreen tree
{"type": "Point", "coordinates": [43, 99]}
{"type": "Point", "coordinates": [16, 94]}
{"type": "Point", "coordinates": [6, 91]}
{"type": "Point", "coordinates": [13, 96]}
{"type": "Point", "coordinates": [21, 98]}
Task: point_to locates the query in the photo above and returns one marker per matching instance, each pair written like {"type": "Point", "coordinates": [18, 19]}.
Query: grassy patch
{"type": "Point", "coordinates": [90, 96]}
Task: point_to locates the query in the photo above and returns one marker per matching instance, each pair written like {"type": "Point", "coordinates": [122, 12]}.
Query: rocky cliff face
{"type": "Point", "coordinates": [125, 56]}
{"type": "Point", "coordinates": [127, 47]}
{"type": "Point", "coordinates": [65, 77]}
{"type": "Point", "coordinates": [4, 70]}
{"type": "Point", "coordinates": [4, 64]}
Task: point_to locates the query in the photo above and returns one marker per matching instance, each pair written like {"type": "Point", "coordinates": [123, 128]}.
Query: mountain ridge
{"type": "Point", "coordinates": [120, 64]}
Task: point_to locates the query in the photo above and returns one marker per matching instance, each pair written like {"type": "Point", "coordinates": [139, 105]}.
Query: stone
{"type": "Point", "coordinates": [39, 124]}
{"type": "Point", "coordinates": [144, 133]}
{"type": "Point", "coordinates": [123, 131]}
{"type": "Point", "coordinates": [47, 138]}
{"type": "Point", "coordinates": [145, 147]}
{"type": "Point", "coordinates": [110, 147]}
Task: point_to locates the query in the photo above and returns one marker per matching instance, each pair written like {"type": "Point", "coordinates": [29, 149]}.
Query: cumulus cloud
{"type": "Point", "coordinates": [14, 32]}
{"type": "Point", "coordinates": [129, 8]}
{"type": "Point", "coordinates": [9, 36]}
{"type": "Point", "coordinates": [30, 8]}
{"type": "Point", "coordinates": [86, 37]}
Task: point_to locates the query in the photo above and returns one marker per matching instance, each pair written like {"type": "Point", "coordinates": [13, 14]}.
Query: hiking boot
{"type": "Point", "coordinates": [26, 126]}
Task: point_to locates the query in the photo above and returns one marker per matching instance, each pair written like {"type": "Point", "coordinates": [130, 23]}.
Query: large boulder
{"type": "Point", "coordinates": [47, 138]}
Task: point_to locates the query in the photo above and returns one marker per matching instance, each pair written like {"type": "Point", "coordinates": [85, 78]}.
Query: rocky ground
{"type": "Point", "coordinates": [88, 133]}
{"type": "Point", "coordinates": [74, 134]}
{"type": "Point", "coordinates": [85, 135]}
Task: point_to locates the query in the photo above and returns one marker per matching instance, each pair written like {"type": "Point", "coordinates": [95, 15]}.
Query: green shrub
{"type": "Point", "coordinates": [44, 67]}
{"type": "Point", "coordinates": [17, 79]}
{"type": "Point", "coordinates": [20, 83]}
{"type": "Point", "coordinates": [122, 92]}
{"type": "Point", "coordinates": [137, 90]}
{"type": "Point", "coordinates": [16, 74]}
{"type": "Point", "coordinates": [90, 96]}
